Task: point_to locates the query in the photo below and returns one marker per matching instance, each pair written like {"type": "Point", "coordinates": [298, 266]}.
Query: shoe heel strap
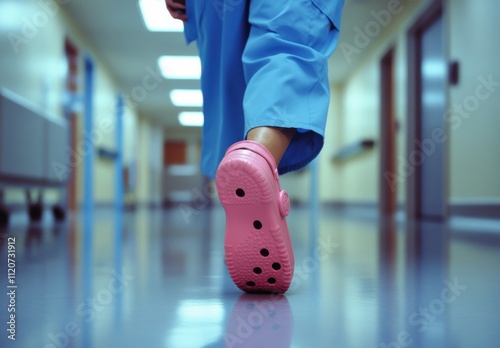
{"type": "Point", "coordinates": [258, 149]}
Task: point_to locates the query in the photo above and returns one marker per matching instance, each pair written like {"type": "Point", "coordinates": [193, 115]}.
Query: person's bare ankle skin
{"type": "Point", "coordinates": [275, 139]}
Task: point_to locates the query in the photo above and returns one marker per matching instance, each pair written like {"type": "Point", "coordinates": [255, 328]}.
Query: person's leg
{"type": "Point", "coordinates": [286, 70]}
{"type": "Point", "coordinates": [220, 29]}
{"type": "Point", "coordinates": [283, 77]}
{"type": "Point", "coordinates": [276, 140]}
{"type": "Point", "coordinates": [257, 247]}
{"type": "Point", "coordinates": [284, 65]}
{"type": "Point", "coordinates": [285, 106]}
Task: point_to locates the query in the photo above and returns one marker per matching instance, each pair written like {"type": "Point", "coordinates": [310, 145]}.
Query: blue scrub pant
{"type": "Point", "coordinates": [264, 63]}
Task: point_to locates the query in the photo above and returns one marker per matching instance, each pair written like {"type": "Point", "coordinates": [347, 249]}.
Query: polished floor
{"type": "Point", "coordinates": [157, 278]}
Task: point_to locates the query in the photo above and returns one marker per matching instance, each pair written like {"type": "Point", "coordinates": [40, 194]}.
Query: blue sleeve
{"type": "Point", "coordinates": [332, 9]}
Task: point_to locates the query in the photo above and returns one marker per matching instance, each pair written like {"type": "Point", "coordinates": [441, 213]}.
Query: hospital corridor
{"type": "Point", "coordinates": [112, 236]}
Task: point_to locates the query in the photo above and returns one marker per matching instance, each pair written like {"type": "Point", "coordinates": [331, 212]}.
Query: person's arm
{"type": "Point", "coordinates": [177, 9]}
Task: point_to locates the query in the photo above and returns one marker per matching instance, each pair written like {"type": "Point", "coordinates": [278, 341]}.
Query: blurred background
{"type": "Point", "coordinates": [100, 129]}
{"type": "Point", "coordinates": [122, 89]}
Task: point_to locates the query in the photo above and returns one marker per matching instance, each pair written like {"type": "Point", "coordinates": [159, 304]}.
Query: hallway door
{"type": "Point", "coordinates": [388, 127]}
{"type": "Point", "coordinates": [427, 154]}
{"type": "Point", "coordinates": [431, 176]}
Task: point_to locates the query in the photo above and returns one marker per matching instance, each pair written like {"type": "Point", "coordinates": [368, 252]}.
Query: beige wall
{"type": "Point", "coordinates": [33, 65]}
{"type": "Point", "coordinates": [32, 55]}
{"type": "Point", "coordinates": [104, 114]}
{"type": "Point", "coordinates": [357, 179]}
{"type": "Point", "coordinates": [330, 173]}
{"type": "Point", "coordinates": [297, 185]}
{"type": "Point", "coordinates": [475, 140]}
{"type": "Point", "coordinates": [150, 156]}
{"type": "Point", "coordinates": [474, 163]}
{"type": "Point", "coordinates": [361, 121]}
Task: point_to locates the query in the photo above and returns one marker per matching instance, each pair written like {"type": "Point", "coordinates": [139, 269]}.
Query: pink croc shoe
{"type": "Point", "coordinates": [258, 249]}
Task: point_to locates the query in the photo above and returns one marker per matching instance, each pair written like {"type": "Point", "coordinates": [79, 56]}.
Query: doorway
{"type": "Point", "coordinates": [388, 186]}
{"type": "Point", "coordinates": [427, 132]}
{"type": "Point", "coordinates": [71, 114]}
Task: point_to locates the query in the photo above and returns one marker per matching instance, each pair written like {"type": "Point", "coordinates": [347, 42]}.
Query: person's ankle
{"type": "Point", "coordinates": [274, 139]}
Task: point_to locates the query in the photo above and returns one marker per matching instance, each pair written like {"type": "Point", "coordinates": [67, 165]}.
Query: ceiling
{"type": "Point", "coordinates": [129, 51]}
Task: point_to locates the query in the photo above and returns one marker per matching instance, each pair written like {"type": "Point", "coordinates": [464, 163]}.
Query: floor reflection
{"type": "Point", "coordinates": [427, 283]}
{"type": "Point", "coordinates": [153, 278]}
{"type": "Point", "coordinates": [388, 290]}
{"type": "Point", "coordinates": [87, 272]}
{"type": "Point", "coordinates": [260, 320]}
{"type": "Point", "coordinates": [34, 236]}
{"type": "Point", "coordinates": [119, 246]}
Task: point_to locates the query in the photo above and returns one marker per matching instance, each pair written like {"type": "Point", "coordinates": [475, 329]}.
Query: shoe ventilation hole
{"type": "Point", "coordinates": [240, 193]}
{"type": "Point", "coordinates": [250, 283]}
{"type": "Point", "coordinates": [257, 270]}
{"type": "Point", "coordinates": [264, 252]}
{"type": "Point", "coordinates": [271, 280]}
{"type": "Point", "coordinates": [257, 224]}
{"type": "Point", "coordinates": [276, 266]}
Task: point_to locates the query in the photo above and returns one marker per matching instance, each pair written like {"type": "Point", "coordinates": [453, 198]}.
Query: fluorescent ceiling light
{"type": "Point", "coordinates": [157, 18]}
{"type": "Point", "coordinates": [180, 67]}
{"type": "Point", "coordinates": [10, 14]}
{"type": "Point", "coordinates": [191, 119]}
{"type": "Point", "coordinates": [186, 97]}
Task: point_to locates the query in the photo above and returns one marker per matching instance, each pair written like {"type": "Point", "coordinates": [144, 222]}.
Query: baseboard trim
{"type": "Point", "coordinates": [351, 205]}
{"type": "Point", "coordinates": [480, 210]}
{"type": "Point", "coordinates": [128, 205]}
{"type": "Point", "coordinates": [476, 209]}
{"type": "Point", "coordinates": [15, 207]}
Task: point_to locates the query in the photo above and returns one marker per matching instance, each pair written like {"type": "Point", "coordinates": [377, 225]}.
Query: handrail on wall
{"type": "Point", "coordinates": [352, 150]}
